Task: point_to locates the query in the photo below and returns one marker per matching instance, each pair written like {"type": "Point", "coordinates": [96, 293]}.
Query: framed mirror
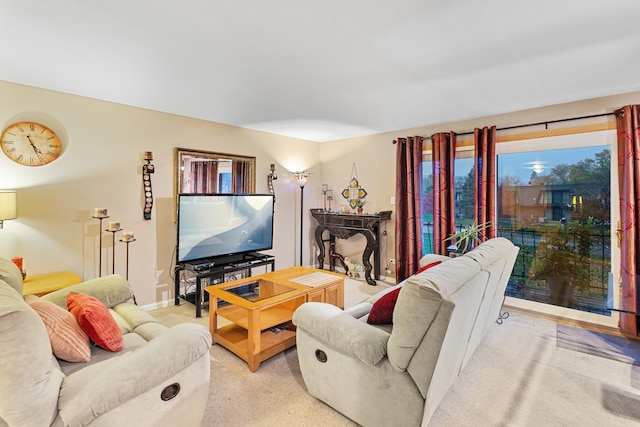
{"type": "Point", "coordinates": [199, 172]}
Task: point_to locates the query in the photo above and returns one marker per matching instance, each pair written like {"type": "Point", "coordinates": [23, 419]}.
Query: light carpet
{"type": "Point", "coordinates": [601, 344]}
{"type": "Point", "coordinates": [517, 377]}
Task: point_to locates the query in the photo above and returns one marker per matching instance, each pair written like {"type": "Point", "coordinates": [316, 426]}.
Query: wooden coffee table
{"type": "Point", "coordinates": [260, 309]}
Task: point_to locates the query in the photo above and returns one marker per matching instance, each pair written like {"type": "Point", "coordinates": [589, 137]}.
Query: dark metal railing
{"type": "Point", "coordinates": [591, 295]}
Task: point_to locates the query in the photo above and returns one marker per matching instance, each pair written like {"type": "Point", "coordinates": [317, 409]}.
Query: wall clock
{"type": "Point", "coordinates": [30, 144]}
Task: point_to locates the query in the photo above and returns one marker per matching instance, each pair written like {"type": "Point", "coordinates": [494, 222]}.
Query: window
{"type": "Point", "coordinates": [464, 196]}
{"type": "Point", "coordinates": [554, 202]}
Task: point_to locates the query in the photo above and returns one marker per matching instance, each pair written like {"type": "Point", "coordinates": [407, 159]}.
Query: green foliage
{"type": "Point", "coordinates": [564, 254]}
{"type": "Point", "coordinates": [468, 237]}
{"type": "Point", "coordinates": [586, 171]}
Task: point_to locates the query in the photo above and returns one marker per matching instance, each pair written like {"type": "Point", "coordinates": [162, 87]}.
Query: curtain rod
{"type": "Point", "coordinates": [545, 123]}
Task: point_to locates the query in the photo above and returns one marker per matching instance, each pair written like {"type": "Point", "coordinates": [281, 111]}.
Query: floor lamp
{"type": "Point", "coordinates": [302, 178]}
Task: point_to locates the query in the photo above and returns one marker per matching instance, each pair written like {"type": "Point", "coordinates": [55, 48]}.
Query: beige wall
{"type": "Point", "coordinates": [375, 155]}
{"type": "Point", "coordinates": [100, 166]}
{"type": "Point", "coordinates": [103, 147]}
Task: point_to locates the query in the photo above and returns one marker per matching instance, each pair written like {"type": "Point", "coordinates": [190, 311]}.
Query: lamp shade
{"type": "Point", "coordinates": [302, 177]}
{"type": "Point", "coordinates": [7, 204]}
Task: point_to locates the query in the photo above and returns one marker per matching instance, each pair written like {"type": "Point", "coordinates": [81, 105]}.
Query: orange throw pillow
{"type": "Point", "coordinates": [68, 341]}
{"type": "Point", "coordinates": [94, 318]}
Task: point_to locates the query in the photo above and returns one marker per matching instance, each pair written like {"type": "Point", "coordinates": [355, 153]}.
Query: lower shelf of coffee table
{"type": "Point", "coordinates": [269, 317]}
{"type": "Point", "coordinates": [236, 339]}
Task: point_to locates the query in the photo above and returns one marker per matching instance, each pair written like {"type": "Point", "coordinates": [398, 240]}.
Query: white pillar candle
{"type": "Point", "coordinates": [100, 212]}
{"type": "Point", "coordinates": [127, 236]}
{"type": "Point", "coordinates": [114, 225]}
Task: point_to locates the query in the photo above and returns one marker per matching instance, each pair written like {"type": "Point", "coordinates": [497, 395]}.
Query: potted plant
{"type": "Point", "coordinates": [562, 260]}
{"type": "Point", "coordinates": [467, 238]}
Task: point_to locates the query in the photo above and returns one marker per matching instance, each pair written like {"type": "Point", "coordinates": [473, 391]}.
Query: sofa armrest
{"type": "Point", "coordinates": [342, 332]}
{"type": "Point", "coordinates": [92, 391]}
{"type": "Point", "coordinates": [111, 290]}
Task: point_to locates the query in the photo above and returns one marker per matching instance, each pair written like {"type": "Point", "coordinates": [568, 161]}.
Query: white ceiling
{"type": "Point", "coordinates": [323, 70]}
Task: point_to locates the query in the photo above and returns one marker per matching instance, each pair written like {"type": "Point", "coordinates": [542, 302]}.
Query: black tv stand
{"type": "Point", "coordinates": [216, 271]}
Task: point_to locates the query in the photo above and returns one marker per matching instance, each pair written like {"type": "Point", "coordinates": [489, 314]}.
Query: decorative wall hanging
{"type": "Point", "coordinates": [354, 193]}
{"type": "Point", "coordinates": [272, 176]}
{"type": "Point", "coordinates": [147, 169]}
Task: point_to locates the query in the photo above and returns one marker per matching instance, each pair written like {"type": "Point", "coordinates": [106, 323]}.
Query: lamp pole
{"type": "Point", "coordinates": [302, 178]}
{"type": "Point", "coordinates": [301, 218]}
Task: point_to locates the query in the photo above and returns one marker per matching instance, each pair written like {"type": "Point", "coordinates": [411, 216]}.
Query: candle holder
{"type": "Point", "coordinates": [127, 264]}
{"type": "Point", "coordinates": [113, 248]}
{"type": "Point", "coordinates": [147, 170]}
{"type": "Point", "coordinates": [101, 218]}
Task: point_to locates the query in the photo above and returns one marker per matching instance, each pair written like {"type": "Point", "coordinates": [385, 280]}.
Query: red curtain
{"type": "Point", "coordinates": [204, 177]}
{"type": "Point", "coordinates": [443, 157]}
{"type": "Point", "coordinates": [408, 216]}
{"type": "Point", "coordinates": [628, 127]}
{"type": "Point", "coordinates": [485, 184]}
{"type": "Point", "coordinates": [240, 177]}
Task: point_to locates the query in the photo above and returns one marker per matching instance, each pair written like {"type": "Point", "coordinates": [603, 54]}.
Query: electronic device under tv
{"type": "Point", "coordinates": [214, 226]}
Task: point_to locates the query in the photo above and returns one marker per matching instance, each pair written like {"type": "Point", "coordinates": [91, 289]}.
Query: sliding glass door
{"type": "Point", "coordinates": [556, 206]}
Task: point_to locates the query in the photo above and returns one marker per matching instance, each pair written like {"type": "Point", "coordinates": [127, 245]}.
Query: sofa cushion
{"type": "Point", "coordinates": [419, 303]}
{"type": "Point", "coordinates": [68, 341]}
{"type": "Point", "coordinates": [11, 275]}
{"type": "Point", "coordinates": [111, 290]}
{"type": "Point", "coordinates": [428, 266]}
{"type": "Point", "coordinates": [382, 310]}
{"type": "Point", "coordinates": [94, 318]}
{"type": "Point", "coordinates": [29, 374]}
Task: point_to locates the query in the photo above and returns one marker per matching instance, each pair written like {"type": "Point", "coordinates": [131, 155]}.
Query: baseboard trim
{"type": "Point", "coordinates": [157, 305]}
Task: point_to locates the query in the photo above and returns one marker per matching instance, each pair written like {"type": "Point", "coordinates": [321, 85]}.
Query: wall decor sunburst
{"type": "Point", "coordinates": [354, 193]}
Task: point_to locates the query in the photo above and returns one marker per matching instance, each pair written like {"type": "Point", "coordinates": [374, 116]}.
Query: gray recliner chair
{"type": "Point", "coordinates": [397, 374]}
{"type": "Point", "coordinates": [160, 378]}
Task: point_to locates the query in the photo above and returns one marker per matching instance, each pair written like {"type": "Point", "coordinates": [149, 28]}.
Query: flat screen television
{"type": "Point", "coordinates": [220, 225]}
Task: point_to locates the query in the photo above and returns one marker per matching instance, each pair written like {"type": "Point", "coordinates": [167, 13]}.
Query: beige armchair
{"type": "Point", "coordinates": [160, 378]}
{"type": "Point", "coordinates": [397, 374]}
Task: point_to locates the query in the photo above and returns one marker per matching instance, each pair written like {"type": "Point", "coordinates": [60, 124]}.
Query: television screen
{"type": "Point", "coordinates": [215, 225]}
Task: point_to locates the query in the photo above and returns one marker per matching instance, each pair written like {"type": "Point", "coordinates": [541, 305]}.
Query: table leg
{"type": "Point", "coordinates": [198, 297]}
{"type": "Point", "coordinates": [253, 342]}
{"type": "Point", "coordinates": [213, 314]}
{"type": "Point", "coordinates": [318, 234]}
{"type": "Point", "coordinates": [176, 283]}
{"type": "Point", "coordinates": [371, 244]}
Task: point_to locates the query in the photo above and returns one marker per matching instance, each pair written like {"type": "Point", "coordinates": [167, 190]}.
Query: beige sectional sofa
{"type": "Point", "coordinates": [397, 374]}
{"type": "Point", "coordinates": [159, 378]}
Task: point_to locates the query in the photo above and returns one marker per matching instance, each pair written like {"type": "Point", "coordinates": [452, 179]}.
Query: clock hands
{"type": "Point", "coordinates": [36, 149]}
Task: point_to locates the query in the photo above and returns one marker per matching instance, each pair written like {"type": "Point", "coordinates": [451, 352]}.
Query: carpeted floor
{"type": "Point", "coordinates": [601, 344]}
{"type": "Point", "coordinates": [517, 377]}
{"type": "Point", "coordinates": [275, 394]}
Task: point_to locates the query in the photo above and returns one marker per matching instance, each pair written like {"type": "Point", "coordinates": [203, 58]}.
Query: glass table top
{"type": "Point", "coordinates": [259, 290]}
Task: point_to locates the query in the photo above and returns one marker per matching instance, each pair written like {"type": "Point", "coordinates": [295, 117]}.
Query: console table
{"type": "Point", "coordinates": [344, 226]}
{"type": "Point", "coordinates": [215, 270]}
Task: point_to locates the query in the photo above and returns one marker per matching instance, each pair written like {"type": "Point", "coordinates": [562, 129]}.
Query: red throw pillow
{"type": "Point", "coordinates": [94, 318]}
{"type": "Point", "coordinates": [428, 266]}
{"type": "Point", "coordinates": [382, 310]}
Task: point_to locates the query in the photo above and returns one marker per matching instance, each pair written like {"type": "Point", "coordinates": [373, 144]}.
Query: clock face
{"type": "Point", "coordinates": [30, 144]}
